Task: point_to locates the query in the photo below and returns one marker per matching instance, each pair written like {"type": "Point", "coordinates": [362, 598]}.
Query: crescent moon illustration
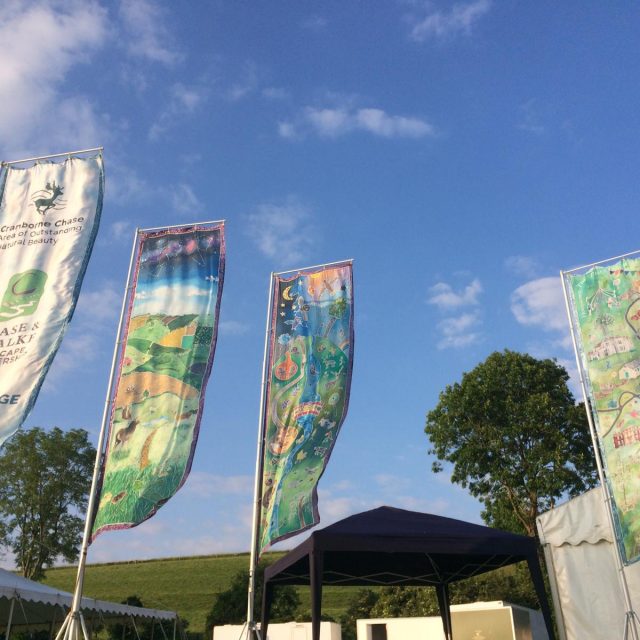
{"type": "Point", "coordinates": [285, 293]}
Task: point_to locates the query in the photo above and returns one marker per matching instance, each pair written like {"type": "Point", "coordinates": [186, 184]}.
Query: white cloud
{"type": "Point", "coordinates": [287, 130]}
{"type": "Point", "coordinates": [233, 328]}
{"type": "Point", "coordinates": [121, 230]}
{"type": "Point", "coordinates": [206, 485]}
{"type": "Point", "coordinates": [96, 315]}
{"type": "Point", "coordinates": [282, 229]}
{"type": "Point", "coordinates": [443, 296]}
{"type": "Point", "coordinates": [183, 101]}
{"type": "Point", "coordinates": [540, 303]}
{"type": "Point", "coordinates": [530, 119]}
{"type": "Point", "coordinates": [275, 93]}
{"type": "Point", "coordinates": [314, 23]}
{"type": "Point", "coordinates": [460, 19]}
{"type": "Point", "coordinates": [460, 331]}
{"type": "Point", "coordinates": [125, 186]}
{"type": "Point", "coordinates": [99, 306]}
{"type": "Point", "coordinates": [149, 38]}
{"type": "Point", "coordinates": [41, 42]}
{"type": "Point", "coordinates": [522, 266]}
{"type": "Point", "coordinates": [331, 122]}
{"type": "Point", "coordinates": [245, 85]}
{"type": "Point", "coordinates": [184, 201]}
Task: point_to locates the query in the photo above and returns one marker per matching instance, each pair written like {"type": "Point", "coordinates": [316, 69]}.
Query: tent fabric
{"type": "Point", "coordinates": [583, 570]}
{"type": "Point", "coordinates": [38, 603]}
{"type": "Point", "coordinates": [390, 546]}
{"type": "Point", "coordinates": [582, 519]}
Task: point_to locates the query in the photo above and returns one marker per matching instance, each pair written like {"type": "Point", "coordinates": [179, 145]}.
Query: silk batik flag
{"type": "Point", "coordinates": [169, 343]}
{"type": "Point", "coordinates": [308, 379]}
{"type": "Point", "coordinates": [605, 304]}
{"type": "Point", "coordinates": [49, 217]}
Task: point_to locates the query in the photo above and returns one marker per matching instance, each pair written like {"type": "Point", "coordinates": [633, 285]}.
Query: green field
{"type": "Point", "coordinates": [186, 585]}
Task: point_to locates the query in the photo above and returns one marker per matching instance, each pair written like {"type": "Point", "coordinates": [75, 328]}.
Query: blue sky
{"type": "Point", "coordinates": [460, 153]}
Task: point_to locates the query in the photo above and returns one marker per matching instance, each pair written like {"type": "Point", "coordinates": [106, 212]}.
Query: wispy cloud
{"type": "Point", "coordinates": [148, 35]}
{"type": "Point", "coordinates": [332, 122]}
{"type": "Point", "coordinates": [184, 201]}
{"type": "Point", "coordinates": [121, 230]}
{"type": "Point", "coordinates": [233, 328]}
{"type": "Point", "coordinates": [245, 84]}
{"type": "Point", "coordinates": [183, 101]}
{"type": "Point", "coordinates": [41, 43]}
{"type": "Point", "coordinates": [96, 313]}
{"type": "Point", "coordinates": [282, 228]}
{"type": "Point", "coordinates": [524, 266]}
{"type": "Point", "coordinates": [443, 296]}
{"type": "Point", "coordinates": [206, 485]}
{"type": "Point", "coordinates": [275, 93]}
{"type": "Point", "coordinates": [530, 119]}
{"type": "Point", "coordinates": [459, 331]}
{"type": "Point", "coordinates": [459, 20]}
{"type": "Point", "coordinates": [540, 303]}
{"type": "Point", "coordinates": [314, 23]}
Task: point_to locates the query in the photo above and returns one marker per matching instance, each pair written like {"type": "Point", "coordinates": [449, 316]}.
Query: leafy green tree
{"type": "Point", "coordinates": [360, 607]}
{"type": "Point", "coordinates": [46, 478]}
{"type": "Point", "coordinates": [515, 437]}
{"type": "Point", "coordinates": [230, 606]}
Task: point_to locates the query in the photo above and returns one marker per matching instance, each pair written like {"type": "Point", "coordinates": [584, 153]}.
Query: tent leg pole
{"type": "Point", "coordinates": [175, 624]}
{"type": "Point", "coordinates": [8, 631]}
{"type": "Point", "coordinates": [63, 628]}
{"type": "Point", "coordinates": [85, 633]}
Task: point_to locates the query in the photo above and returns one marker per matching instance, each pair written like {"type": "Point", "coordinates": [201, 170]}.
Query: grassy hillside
{"type": "Point", "coordinates": [186, 585]}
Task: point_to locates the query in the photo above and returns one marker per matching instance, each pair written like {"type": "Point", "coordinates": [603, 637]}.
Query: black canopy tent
{"type": "Point", "coordinates": [389, 546]}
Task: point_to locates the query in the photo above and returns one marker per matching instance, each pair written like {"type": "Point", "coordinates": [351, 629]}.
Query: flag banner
{"type": "Point", "coordinates": [169, 343]}
{"type": "Point", "coordinates": [605, 303]}
{"type": "Point", "coordinates": [308, 379]}
{"type": "Point", "coordinates": [49, 217]}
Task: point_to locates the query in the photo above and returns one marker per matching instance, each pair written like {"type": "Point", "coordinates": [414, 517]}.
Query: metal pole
{"type": "Point", "coordinates": [179, 226]}
{"type": "Point", "coordinates": [593, 264]}
{"type": "Point", "coordinates": [257, 491]}
{"type": "Point", "coordinates": [75, 612]}
{"type": "Point", "coordinates": [7, 633]}
{"type": "Point", "coordinates": [315, 266]}
{"type": "Point", "coordinates": [51, 155]}
{"type": "Point", "coordinates": [630, 614]}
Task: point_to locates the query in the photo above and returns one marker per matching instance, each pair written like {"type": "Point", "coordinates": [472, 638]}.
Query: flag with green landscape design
{"type": "Point", "coordinates": [169, 341]}
{"type": "Point", "coordinates": [605, 303]}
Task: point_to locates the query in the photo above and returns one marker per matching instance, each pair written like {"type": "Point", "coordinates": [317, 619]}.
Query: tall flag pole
{"type": "Point", "coordinates": [603, 306]}
{"type": "Point", "coordinates": [161, 364]}
{"type": "Point", "coordinates": [252, 632]}
{"type": "Point", "coordinates": [306, 384]}
{"type": "Point", "coordinates": [73, 626]}
{"type": "Point", "coordinates": [49, 218]}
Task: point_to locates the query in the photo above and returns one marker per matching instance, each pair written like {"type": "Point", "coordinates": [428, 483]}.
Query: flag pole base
{"type": "Point", "coordinates": [73, 628]}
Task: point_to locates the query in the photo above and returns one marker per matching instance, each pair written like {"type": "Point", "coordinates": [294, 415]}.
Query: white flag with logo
{"type": "Point", "coordinates": [49, 216]}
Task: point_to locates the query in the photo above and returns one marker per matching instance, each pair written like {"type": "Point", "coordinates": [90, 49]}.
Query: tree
{"type": "Point", "coordinates": [515, 437]}
{"type": "Point", "coordinates": [46, 478]}
{"type": "Point", "coordinates": [360, 606]}
{"type": "Point", "coordinates": [230, 606]}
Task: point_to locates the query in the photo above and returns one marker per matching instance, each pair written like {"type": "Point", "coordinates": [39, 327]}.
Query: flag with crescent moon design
{"type": "Point", "coordinates": [308, 373]}
{"type": "Point", "coordinates": [49, 218]}
{"type": "Point", "coordinates": [169, 343]}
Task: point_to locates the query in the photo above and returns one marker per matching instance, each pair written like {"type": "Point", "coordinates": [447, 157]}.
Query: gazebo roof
{"type": "Point", "coordinates": [394, 546]}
